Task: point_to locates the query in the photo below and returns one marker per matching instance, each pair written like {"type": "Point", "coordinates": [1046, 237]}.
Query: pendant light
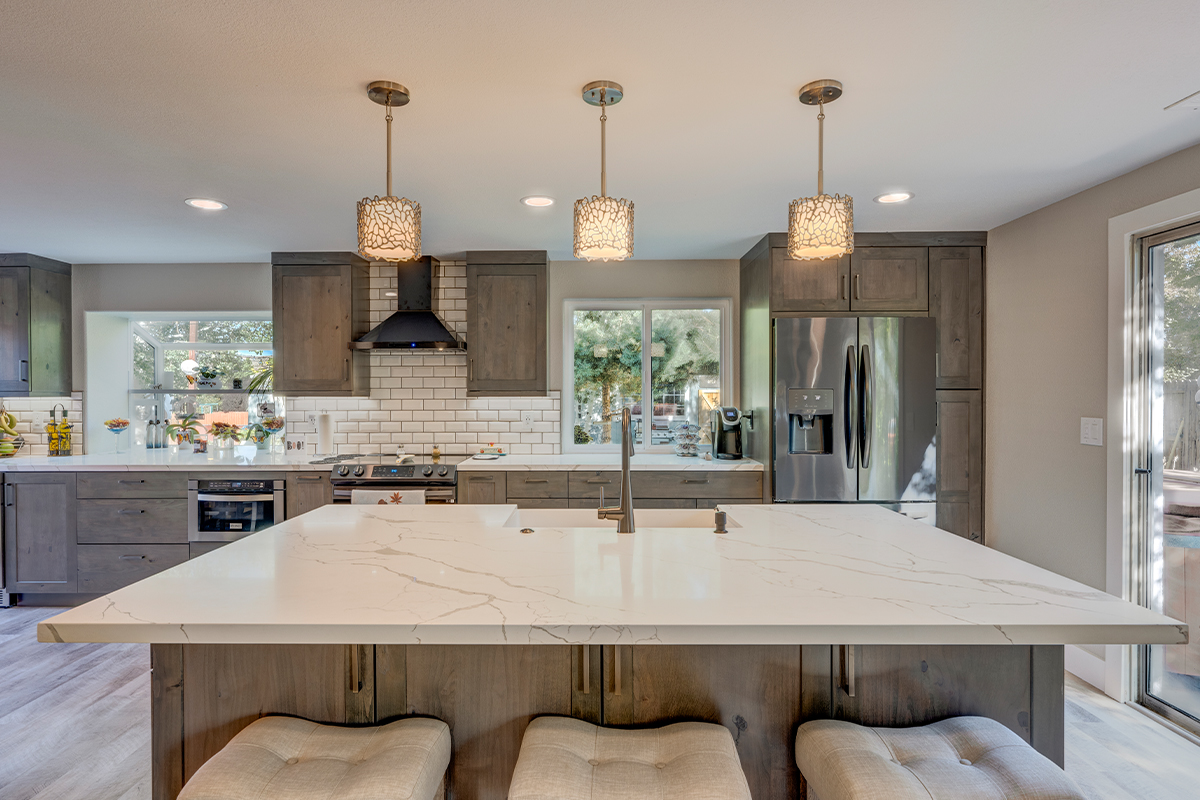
{"type": "Point", "coordinates": [822, 226]}
{"type": "Point", "coordinates": [603, 225]}
{"type": "Point", "coordinates": [389, 228]}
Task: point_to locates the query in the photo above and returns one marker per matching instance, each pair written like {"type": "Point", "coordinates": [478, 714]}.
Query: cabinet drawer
{"type": "Point", "coordinates": [132, 484]}
{"type": "Point", "coordinates": [588, 484]}
{"type": "Point", "coordinates": [697, 484]}
{"type": "Point", "coordinates": [108, 567]}
{"type": "Point", "coordinates": [537, 484]}
{"type": "Point", "coordinates": [134, 521]}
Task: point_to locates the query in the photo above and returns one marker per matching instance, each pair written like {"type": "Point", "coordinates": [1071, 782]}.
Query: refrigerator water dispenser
{"type": "Point", "coordinates": [810, 421]}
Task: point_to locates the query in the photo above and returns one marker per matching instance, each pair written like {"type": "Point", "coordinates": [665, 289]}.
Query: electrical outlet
{"type": "Point", "coordinates": [312, 418]}
{"type": "Point", "coordinates": [527, 420]}
{"type": "Point", "coordinates": [39, 418]}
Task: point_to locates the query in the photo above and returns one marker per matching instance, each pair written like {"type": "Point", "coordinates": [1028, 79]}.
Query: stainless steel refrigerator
{"type": "Point", "coordinates": [855, 410]}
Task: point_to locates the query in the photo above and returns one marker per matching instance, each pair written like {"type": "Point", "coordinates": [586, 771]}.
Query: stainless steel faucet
{"type": "Point", "coordinates": [623, 512]}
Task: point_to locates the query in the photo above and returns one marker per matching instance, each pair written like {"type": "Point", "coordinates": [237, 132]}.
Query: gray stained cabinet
{"type": "Point", "coordinates": [582, 488]}
{"type": "Point", "coordinates": [320, 306]}
{"type": "Point", "coordinates": [889, 279]}
{"type": "Point", "coordinates": [956, 303]}
{"type": "Point", "coordinates": [35, 326]}
{"type": "Point", "coordinates": [306, 491]}
{"type": "Point", "coordinates": [960, 463]}
{"type": "Point", "coordinates": [809, 285]}
{"type": "Point", "coordinates": [506, 323]}
{"type": "Point", "coordinates": [39, 532]}
{"type": "Point", "coordinates": [481, 488]}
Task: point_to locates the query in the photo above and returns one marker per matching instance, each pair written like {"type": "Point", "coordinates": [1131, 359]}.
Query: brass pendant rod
{"type": "Point", "coordinates": [388, 105]}
{"type": "Point", "coordinates": [603, 165]}
{"type": "Point", "coordinates": [820, 149]}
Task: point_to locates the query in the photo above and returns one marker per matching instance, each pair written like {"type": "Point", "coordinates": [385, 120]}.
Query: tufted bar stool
{"type": "Point", "coordinates": [284, 758]}
{"type": "Point", "coordinates": [962, 758]}
{"type": "Point", "coordinates": [569, 759]}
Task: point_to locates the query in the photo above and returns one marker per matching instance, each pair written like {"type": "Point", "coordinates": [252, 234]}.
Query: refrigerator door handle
{"type": "Point", "coordinates": [866, 380]}
{"type": "Point", "coordinates": [850, 407]}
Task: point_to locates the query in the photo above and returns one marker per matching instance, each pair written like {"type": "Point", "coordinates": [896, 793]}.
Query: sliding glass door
{"type": "Point", "coordinates": [1168, 544]}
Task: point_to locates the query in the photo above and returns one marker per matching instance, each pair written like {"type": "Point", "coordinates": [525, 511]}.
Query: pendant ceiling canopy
{"type": "Point", "coordinates": [603, 224]}
{"type": "Point", "coordinates": [822, 226]}
{"type": "Point", "coordinates": [389, 228]}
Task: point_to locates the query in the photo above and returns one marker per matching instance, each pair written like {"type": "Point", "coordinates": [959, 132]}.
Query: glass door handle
{"type": "Point", "coordinates": [1142, 471]}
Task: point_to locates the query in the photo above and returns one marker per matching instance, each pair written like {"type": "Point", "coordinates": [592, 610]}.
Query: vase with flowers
{"type": "Point", "coordinates": [226, 433]}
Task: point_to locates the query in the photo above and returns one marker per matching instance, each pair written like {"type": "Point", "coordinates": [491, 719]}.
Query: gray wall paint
{"type": "Point", "coordinates": [631, 279]}
{"type": "Point", "coordinates": [162, 287]}
{"type": "Point", "coordinates": [1047, 366]}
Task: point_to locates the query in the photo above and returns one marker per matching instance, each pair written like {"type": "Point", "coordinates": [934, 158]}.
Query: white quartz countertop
{"type": "Point", "coordinates": [238, 457]}
{"type": "Point", "coordinates": [592, 461]}
{"type": "Point", "coordinates": [811, 574]}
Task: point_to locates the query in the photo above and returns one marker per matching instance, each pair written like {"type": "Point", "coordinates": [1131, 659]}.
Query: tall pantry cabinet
{"type": "Point", "coordinates": [937, 275]}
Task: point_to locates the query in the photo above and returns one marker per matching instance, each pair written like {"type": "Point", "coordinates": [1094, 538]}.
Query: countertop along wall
{"type": "Point", "coordinates": [1047, 366]}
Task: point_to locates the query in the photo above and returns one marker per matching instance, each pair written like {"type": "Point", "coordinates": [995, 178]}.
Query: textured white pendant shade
{"type": "Point", "coordinates": [820, 227]}
{"type": "Point", "coordinates": [603, 228]}
{"type": "Point", "coordinates": [389, 228]}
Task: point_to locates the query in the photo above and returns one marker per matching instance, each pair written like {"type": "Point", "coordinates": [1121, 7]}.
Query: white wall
{"type": "Point", "coordinates": [1047, 329]}
{"type": "Point", "coordinates": [106, 386]}
{"type": "Point", "coordinates": [624, 279]}
{"type": "Point", "coordinates": [162, 287]}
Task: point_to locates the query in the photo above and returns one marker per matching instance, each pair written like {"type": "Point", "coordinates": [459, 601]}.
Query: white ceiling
{"type": "Point", "coordinates": [111, 113]}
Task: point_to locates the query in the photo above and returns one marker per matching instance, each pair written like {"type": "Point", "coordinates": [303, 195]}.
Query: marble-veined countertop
{"type": "Point", "coordinates": [593, 461]}
{"type": "Point", "coordinates": [141, 459]}
{"type": "Point", "coordinates": [800, 574]}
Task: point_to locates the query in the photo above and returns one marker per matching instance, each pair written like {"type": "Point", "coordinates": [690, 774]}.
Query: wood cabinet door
{"type": "Point", "coordinates": [14, 330]}
{"type": "Point", "coordinates": [312, 309]}
{"type": "Point", "coordinates": [481, 488]}
{"type": "Point", "coordinates": [506, 329]}
{"type": "Point", "coordinates": [809, 285]}
{"type": "Point", "coordinates": [960, 463]}
{"type": "Point", "coordinates": [754, 691]}
{"type": "Point", "coordinates": [49, 332]}
{"type": "Point", "coordinates": [39, 532]}
{"type": "Point", "coordinates": [956, 303]}
{"type": "Point", "coordinates": [306, 491]}
{"type": "Point", "coordinates": [889, 279]}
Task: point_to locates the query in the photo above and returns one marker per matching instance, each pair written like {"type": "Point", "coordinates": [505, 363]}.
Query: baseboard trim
{"type": "Point", "coordinates": [1083, 665]}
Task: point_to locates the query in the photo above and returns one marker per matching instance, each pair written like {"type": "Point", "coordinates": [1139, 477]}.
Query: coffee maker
{"type": "Point", "coordinates": [728, 426]}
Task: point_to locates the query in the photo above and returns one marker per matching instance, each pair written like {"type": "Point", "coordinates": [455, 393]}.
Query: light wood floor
{"type": "Point", "coordinates": [75, 725]}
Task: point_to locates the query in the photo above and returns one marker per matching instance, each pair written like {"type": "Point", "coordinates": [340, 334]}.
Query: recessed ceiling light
{"type": "Point", "coordinates": [538, 200]}
{"type": "Point", "coordinates": [894, 197]}
{"type": "Point", "coordinates": [206, 204]}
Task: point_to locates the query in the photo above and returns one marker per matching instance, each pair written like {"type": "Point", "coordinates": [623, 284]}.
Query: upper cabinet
{"type": "Point", "coordinates": [956, 302]}
{"type": "Point", "coordinates": [319, 308]}
{"type": "Point", "coordinates": [35, 326]}
{"type": "Point", "coordinates": [889, 279]}
{"type": "Point", "coordinates": [506, 322]}
{"type": "Point", "coordinates": [809, 285]}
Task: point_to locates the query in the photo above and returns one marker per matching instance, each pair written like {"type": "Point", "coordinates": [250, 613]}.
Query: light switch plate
{"type": "Point", "coordinates": [1091, 431]}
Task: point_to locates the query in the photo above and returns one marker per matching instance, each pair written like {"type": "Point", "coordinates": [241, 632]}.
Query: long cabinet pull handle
{"type": "Point", "coordinates": [540, 480]}
{"type": "Point", "coordinates": [845, 280]}
{"type": "Point", "coordinates": [594, 480]}
{"type": "Point", "coordinates": [24, 375]}
{"type": "Point", "coordinates": [847, 669]}
{"type": "Point", "coordinates": [8, 494]}
{"type": "Point", "coordinates": [856, 286]}
{"type": "Point", "coordinates": [346, 369]}
{"type": "Point", "coordinates": [355, 670]}
{"type": "Point", "coordinates": [937, 365]}
{"type": "Point", "coordinates": [132, 481]}
{"type": "Point", "coordinates": [617, 670]}
{"type": "Point", "coordinates": [481, 478]}
{"type": "Point", "coordinates": [695, 480]}
{"type": "Point", "coordinates": [131, 511]}
{"type": "Point", "coordinates": [470, 369]}
{"type": "Point", "coordinates": [587, 669]}
{"type": "Point", "coordinates": [318, 477]}
{"type": "Point", "coordinates": [131, 558]}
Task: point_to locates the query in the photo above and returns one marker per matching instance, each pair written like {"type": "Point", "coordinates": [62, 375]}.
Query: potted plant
{"type": "Point", "coordinates": [186, 429]}
{"type": "Point", "coordinates": [226, 433]}
{"type": "Point", "coordinates": [257, 433]}
{"type": "Point", "coordinates": [208, 378]}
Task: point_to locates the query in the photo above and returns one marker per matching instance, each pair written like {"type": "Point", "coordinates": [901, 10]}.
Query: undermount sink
{"type": "Point", "coordinates": [701, 518]}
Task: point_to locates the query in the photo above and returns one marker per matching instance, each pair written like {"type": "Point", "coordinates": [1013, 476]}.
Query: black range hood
{"type": "Point", "coordinates": [413, 326]}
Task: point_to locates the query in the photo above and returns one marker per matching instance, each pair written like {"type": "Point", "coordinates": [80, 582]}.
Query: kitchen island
{"type": "Point", "coordinates": [361, 614]}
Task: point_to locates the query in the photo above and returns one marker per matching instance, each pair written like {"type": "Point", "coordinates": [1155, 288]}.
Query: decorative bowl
{"type": "Point", "coordinates": [7, 441]}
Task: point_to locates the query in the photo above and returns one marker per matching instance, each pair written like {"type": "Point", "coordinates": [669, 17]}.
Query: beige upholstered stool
{"type": "Point", "coordinates": [963, 758]}
{"type": "Point", "coordinates": [569, 759]}
{"type": "Point", "coordinates": [284, 758]}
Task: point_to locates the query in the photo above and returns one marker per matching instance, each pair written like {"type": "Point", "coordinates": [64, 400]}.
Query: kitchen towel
{"type": "Point", "coordinates": [385, 497]}
{"type": "Point", "coordinates": [324, 434]}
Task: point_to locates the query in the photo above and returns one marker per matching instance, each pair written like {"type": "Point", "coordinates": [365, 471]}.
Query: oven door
{"type": "Point", "coordinates": [434, 495]}
{"type": "Point", "coordinates": [221, 517]}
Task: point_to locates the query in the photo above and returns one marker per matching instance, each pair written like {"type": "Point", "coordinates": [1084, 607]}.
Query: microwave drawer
{"type": "Point", "coordinates": [132, 521]}
{"type": "Point", "coordinates": [108, 567]}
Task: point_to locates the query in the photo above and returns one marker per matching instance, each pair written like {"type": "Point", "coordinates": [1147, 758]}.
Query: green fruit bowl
{"type": "Point", "coordinates": [10, 445]}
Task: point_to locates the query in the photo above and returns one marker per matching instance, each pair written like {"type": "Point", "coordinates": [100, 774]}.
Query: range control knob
{"type": "Point", "coordinates": [343, 471]}
{"type": "Point", "coordinates": [443, 471]}
{"type": "Point", "coordinates": [359, 470]}
{"type": "Point", "coordinates": [427, 471]}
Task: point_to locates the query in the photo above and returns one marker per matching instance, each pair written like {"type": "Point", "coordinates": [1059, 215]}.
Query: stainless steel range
{"type": "Point", "coordinates": [438, 480]}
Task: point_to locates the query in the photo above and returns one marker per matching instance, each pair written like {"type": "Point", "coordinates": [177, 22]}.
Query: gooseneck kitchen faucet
{"type": "Point", "coordinates": [623, 511]}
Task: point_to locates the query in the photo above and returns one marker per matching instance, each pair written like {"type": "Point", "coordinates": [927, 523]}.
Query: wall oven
{"type": "Point", "coordinates": [227, 510]}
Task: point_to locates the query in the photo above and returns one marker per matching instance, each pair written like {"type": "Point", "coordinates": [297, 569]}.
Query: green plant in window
{"type": "Point", "coordinates": [255, 432]}
{"type": "Point", "coordinates": [582, 436]}
{"type": "Point", "coordinates": [608, 359]}
{"type": "Point", "coordinates": [184, 430]}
